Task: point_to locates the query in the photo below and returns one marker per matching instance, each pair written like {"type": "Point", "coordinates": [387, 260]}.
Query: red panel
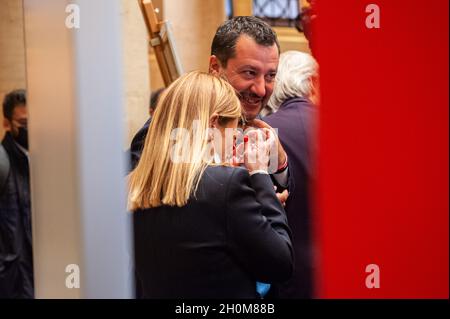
{"type": "Point", "coordinates": [383, 187]}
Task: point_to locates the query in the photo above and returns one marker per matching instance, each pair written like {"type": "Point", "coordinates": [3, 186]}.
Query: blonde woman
{"type": "Point", "coordinates": [202, 228]}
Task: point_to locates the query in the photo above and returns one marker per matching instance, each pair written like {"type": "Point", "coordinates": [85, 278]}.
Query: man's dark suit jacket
{"type": "Point", "coordinates": [16, 256]}
{"type": "Point", "coordinates": [137, 145]}
{"type": "Point", "coordinates": [295, 121]}
{"type": "Point", "coordinates": [233, 233]}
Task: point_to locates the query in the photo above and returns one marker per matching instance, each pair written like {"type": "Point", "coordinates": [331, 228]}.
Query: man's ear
{"type": "Point", "coordinates": [214, 65]}
{"type": "Point", "coordinates": [315, 90]}
{"type": "Point", "coordinates": [6, 124]}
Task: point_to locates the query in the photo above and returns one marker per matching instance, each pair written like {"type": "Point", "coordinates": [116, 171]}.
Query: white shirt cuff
{"type": "Point", "coordinates": [258, 171]}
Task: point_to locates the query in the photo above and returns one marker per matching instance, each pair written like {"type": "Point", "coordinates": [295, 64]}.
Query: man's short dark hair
{"type": "Point", "coordinates": [227, 35]}
{"type": "Point", "coordinates": [13, 99]}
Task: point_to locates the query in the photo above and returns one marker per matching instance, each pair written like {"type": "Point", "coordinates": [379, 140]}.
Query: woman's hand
{"type": "Point", "coordinates": [257, 150]}
{"type": "Point", "coordinates": [281, 156]}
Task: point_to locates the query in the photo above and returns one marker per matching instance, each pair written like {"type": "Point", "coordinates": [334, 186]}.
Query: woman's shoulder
{"type": "Point", "coordinates": [216, 182]}
{"type": "Point", "coordinates": [225, 170]}
{"type": "Point", "coordinates": [221, 174]}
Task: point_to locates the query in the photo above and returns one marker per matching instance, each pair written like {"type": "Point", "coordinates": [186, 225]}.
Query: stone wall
{"type": "Point", "coordinates": [12, 49]}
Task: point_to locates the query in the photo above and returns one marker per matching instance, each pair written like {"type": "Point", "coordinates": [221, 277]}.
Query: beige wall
{"type": "Point", "coordinates": [243, 7]}
{"type": "Point", "coordinates": [291, 39]}
{"type": "Point", "coordinates": [136, 73]}
{"type": "Point", "coordinates": [156, 79]}
{"type": "Point", "coordinates": [12, 49]}
{"type": "Point", "coordinates": [195, 23]}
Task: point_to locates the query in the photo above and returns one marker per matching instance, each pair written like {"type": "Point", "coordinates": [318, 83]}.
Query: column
{"type": "Point", "coordinates": [76, 93]}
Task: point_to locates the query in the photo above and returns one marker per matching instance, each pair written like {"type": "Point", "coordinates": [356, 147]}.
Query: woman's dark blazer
{"type": "Point", "coordinates": [233, 233]}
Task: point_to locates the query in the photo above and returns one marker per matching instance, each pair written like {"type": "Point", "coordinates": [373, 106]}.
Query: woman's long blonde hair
{"type": "Point", "coordinates": [193, 98]}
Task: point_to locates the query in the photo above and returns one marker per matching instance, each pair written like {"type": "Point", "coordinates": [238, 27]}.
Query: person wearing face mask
{"type": "Point", "coordinates": [16, 261]}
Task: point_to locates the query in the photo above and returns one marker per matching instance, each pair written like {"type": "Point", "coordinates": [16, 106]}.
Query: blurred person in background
{"type": "Point", "coordinates": [294, 100]}
{"type": "Point", "coordinates": [16, 258]}
{"type": "Point", "coordinates": [154, 98]}
{"type": "Point", "coordinates": [138, 140]}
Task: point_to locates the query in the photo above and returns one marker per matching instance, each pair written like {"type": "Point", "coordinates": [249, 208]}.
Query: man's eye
{"type": "Point", "coordinates": [270, 77]}
{"type": "Point", "coordinates": [250, 73]}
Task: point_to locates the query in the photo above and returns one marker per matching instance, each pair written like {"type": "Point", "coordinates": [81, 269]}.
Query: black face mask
{"type": "Point", "coordinates": [22, 137]}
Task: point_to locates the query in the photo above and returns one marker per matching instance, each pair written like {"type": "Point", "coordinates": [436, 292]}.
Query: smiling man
{"type": "Point", "coordinates": [245, 51]}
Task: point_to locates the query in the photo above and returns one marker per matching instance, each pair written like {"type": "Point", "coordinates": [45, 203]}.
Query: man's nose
{"type": "Point", "coordinates": [259, 87]}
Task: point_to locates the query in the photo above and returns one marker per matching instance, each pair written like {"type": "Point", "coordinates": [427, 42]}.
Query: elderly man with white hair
{"type": "Point", "coordinates": [293, 104]}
